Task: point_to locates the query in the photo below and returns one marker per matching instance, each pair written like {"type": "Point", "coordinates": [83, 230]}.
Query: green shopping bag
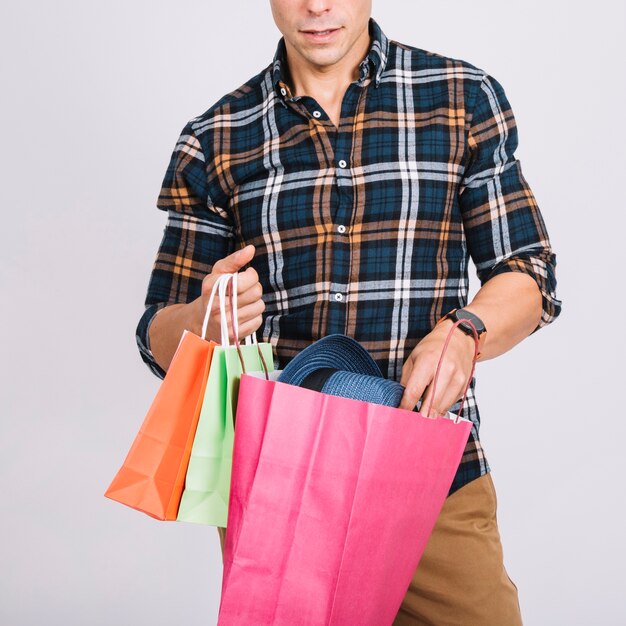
{"type": "Point", "coordinates": [207, 482]}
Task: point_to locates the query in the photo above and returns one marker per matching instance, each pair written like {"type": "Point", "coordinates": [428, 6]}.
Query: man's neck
{"type": "Point", "coordinates": [326, 84]}
{"type": "Point", "coordinates": [323, 83]}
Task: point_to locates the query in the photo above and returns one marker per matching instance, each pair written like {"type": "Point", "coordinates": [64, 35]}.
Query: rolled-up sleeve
{"type": "Point", "coordinates": [504, 228]}
{"type": "Point", "coordinates": [197, 234]}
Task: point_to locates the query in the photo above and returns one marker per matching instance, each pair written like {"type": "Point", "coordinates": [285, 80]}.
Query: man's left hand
{"type": "Point", "coordinates": [419, 370]}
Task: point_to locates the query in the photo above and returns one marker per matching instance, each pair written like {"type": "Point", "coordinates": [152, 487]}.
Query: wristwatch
{"type": "Point", "coordinates": [463, 314]}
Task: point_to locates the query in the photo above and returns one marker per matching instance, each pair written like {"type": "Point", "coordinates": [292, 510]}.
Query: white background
{"type": "Point", "coordinates": [94, 96]}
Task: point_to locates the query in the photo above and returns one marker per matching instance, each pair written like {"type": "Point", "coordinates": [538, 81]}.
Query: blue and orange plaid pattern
{"type": "Point", "coordinates": [365, 229]}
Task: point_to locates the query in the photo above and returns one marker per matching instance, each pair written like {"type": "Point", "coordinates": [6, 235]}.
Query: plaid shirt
{"type": "Point", "coordinates": [365, 229]}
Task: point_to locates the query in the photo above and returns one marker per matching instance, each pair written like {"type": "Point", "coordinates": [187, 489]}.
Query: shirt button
{"type": "Point", "coordinates": [283, 91]}
{"type": "Point", "coordinates": [317, 114]}
{"type": "Point", "coordinates": [339, 297]}
{"type": "Point", "coordinates": [342, 163]}
{"type": "Point", "coordinates": [341, 229]}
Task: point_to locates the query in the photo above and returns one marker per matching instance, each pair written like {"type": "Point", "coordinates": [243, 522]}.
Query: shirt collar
{"type": "Point", "coordinates": [374, 62]}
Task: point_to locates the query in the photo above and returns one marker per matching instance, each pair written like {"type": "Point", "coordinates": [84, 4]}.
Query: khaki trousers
{"type": "Point", "coordinates": [461, 580]}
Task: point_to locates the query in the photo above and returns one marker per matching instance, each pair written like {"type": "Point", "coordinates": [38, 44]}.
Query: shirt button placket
{"type": "Point", "coordinates": [343, 142]}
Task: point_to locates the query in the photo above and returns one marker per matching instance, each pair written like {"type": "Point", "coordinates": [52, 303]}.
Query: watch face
{"type": "Point", "coordinates": [466, 315]}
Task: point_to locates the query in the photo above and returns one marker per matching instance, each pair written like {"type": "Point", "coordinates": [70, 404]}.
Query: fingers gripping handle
{"type": "Point", "coordinates": [251, 338]}
{"type": "Point", "coordinates": [220, 287]}
{"type": "Point", "coordinates": [445, 347]}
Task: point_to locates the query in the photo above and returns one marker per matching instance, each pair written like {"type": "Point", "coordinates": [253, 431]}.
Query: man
{"type": "Point", "coordinates": [356, 175]}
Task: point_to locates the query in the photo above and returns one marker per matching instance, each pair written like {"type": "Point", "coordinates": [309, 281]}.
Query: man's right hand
{"type": "Point", "coordinates": [169, 322]}
{"type": "Point", "coordinates": [249, 296]}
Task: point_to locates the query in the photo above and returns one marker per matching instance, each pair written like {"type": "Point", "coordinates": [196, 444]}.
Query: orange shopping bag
{"type": "Point", "coordinates": [152, 477]}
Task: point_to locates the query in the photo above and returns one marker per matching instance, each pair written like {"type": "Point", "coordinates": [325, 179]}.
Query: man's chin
{"type": "Point", "coordinates": [323, 58]}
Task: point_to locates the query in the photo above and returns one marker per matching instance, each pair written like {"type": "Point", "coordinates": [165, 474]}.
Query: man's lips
{"type": "Point", "coordinates": [318, 34]}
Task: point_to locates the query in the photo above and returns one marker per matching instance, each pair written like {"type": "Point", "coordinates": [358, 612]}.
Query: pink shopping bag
{"type": "Point", "coordinates": [331, 505]}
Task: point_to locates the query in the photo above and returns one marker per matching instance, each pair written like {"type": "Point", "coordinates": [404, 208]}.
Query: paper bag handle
{"type": "Point", "coordinates": [207, 315]}
{"type": "Point", "coordinates": [443, 351]}
{"type": "Point", "coordinates": [232, 280]}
